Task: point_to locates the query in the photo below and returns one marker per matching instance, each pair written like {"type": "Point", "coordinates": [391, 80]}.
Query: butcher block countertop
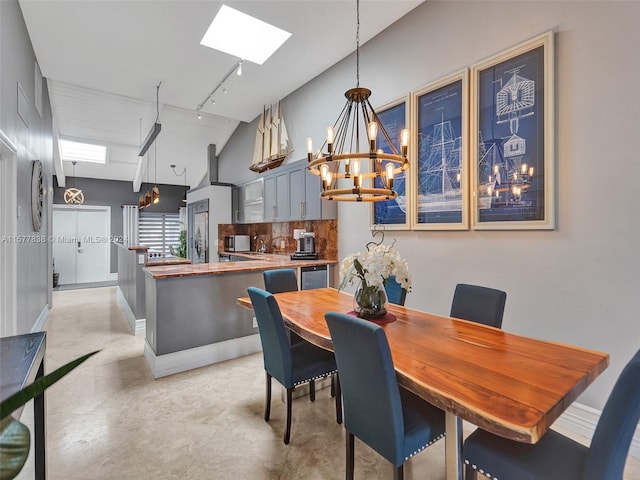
{"type": "Point", "coordinates": [263, 261]}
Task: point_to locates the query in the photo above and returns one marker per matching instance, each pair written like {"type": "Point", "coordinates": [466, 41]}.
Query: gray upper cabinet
{"type": "Point", "coordinates": [270, 198]}
{"type": "Point", "coordinates": [283, 204]}
{"type": "Point", "coordinates": [297, 191]}
{"type": "Point", "coordinates": [237, 204]}
{"type": "Point", "coordinates": [292, 193]}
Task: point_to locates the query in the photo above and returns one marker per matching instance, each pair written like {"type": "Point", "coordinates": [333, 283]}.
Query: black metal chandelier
{"type": "Point", "coordinates": [352, 168]}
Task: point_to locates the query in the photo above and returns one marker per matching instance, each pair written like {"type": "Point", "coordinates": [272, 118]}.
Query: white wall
{"type": "Point", "coordinates": [578, 284]}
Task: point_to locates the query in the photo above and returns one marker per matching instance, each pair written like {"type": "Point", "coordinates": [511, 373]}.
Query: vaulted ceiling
{"type": "Point", "coordinates": [103, 60]}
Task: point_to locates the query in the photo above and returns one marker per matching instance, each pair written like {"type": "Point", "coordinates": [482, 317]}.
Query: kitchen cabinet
{"type": "Point", "coordinates": [237, 204]}
{"type": "Point", "coordinates": [277, 207]}
{"type": "Point", "coordinates": [306, 203]}
{"type": "Point", "coordinates": [289, 193]}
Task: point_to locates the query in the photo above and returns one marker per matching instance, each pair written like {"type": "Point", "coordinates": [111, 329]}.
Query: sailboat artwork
{"type": "Point", "coordinates": [392, 212]}
{"type": "Point", "coordinates": [272, 142]}
{"type": "Point", "coordinates": [441, 159]}
{"type": "Point", "coordinates": [512, 184]}
{"type": "Point", "coordinates": [503, 172]}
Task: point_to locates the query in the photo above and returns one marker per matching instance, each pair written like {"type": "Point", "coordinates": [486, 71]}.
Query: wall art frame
{"type": "Point", "coordinates": [440, 171]}
{"type": "Point", "coordinates": [394, 214]}
{"type": "Point", "coordinates": [512, 131]}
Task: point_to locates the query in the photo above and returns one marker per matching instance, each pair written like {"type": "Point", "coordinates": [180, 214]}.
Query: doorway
{"type": "Point", "coordinates": [81, 244]}
{"type": "Point", "coordinates": [8, 230]}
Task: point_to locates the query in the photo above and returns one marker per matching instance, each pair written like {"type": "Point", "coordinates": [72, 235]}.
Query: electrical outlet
{"type": "Point", "coordinates": [255, 323]}
{"type": "Point", "coordinates": [141, 259]}
{"type": "Point", "coordinates": [282, 244]}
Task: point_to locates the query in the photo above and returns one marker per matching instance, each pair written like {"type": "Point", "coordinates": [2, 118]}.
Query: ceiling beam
{"type": "Point", "coordinates": [57, 159]}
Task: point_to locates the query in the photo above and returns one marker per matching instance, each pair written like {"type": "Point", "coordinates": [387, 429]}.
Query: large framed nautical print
{"type": "Point", "coordinates": [440, 169]}
{"type": "Point", "coordinates": [512, 151]}
{"type": "Point", "coordinates": [394, 213]}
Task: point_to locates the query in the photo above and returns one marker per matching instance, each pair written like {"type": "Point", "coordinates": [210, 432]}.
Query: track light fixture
{"type": "Point", "coordinates": [236, 68]}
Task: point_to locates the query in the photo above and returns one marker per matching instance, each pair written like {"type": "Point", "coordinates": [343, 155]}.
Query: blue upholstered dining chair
{"type": "Point", "coordinates": [280, 280]}
{"type": "Point", "coordinates": [391, 420]}
{"type": "Point", "coordinates": [478, 304]}
{"type": "Point", "coordinates": [556, 457]}
{"type": "Point", "coordinates": [395, 293]}
{"type": "Point", "coordinates": [285, 280]}
{"type": "Point", "coordinates": [291, 365]}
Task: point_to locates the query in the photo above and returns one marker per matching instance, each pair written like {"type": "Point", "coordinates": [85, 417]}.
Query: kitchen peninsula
{"type": "Point", "coordinates": [192, 318]}
{"type": "Point", "coordinates": [131, 261]}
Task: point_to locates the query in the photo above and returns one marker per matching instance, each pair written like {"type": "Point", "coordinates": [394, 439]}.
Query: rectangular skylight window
{"type": "Point", "coordinates": [243, 36]}
{"type": "Point", "coordinates": [82, 152]}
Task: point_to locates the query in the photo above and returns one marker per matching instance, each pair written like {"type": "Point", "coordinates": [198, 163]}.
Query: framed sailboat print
{"type": "Point", "coordinates": [394, 213]}
{"type": "Point", "coordinates": [512, 128]}
{"type": "Point", "coordinates": [440, 169]}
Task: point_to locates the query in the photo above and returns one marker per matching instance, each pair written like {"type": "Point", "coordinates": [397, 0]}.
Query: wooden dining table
{"type": "Point", "coordinates": [507, 384]}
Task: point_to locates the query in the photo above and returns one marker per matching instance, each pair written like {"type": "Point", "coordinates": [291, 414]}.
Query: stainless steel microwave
{"type": "Point", "coordinates": [237, 243]}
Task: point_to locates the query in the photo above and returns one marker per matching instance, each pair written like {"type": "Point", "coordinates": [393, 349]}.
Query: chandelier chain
{"type": "Point", "coordinates": [357, 43]}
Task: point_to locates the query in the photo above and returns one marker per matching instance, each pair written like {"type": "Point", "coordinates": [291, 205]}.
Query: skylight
{"type": "Point", "coordinates": [71, 151]}
{"type": "Point", "coordinates": [243, 36]}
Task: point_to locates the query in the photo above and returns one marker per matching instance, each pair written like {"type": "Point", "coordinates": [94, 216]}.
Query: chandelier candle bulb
{"type": "Point", "coordinates": [310, 148]}
{"type": "Point", "coordinates": [524, 168]}
{"type": "Point", "coordinates": [373, 134]}
{"type": "Point", "coordinates": [390, 175]}
{"type": "Point", "coordinates": [404, 141]}
{"type": "Point", "coordinates": [330, 140]}
{"type": "Point", "coordinates": [531, 171]}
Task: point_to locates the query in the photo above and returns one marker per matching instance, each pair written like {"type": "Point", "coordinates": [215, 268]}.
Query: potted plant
{"type": "Point", "coordinates": [15, 439]}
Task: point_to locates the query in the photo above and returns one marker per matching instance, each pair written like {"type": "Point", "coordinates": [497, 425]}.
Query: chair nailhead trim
{"type": "Point", "coordinates": [315, 378]}
{"type": "Point", "coordinates": [422, 448]}
{"type": "Point", "coordinates": [480, 470]}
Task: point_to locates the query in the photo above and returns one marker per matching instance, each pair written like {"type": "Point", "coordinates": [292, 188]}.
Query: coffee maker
{"type": "Point", "coordinates": [307, 242]}
{"type": "Point", "coordinates": [306, 245]}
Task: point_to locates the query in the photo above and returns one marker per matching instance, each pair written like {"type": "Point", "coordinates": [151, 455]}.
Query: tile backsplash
{"type": "Point", "coordinates": [278, 236]}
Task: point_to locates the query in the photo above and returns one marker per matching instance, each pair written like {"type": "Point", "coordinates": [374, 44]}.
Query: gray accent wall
{"type": "Point", "coordinates": [115, 193]}
{"type": "Point", "coordinates": [577, 284]}
{"type": "Point", "coordinates": [34, 142]}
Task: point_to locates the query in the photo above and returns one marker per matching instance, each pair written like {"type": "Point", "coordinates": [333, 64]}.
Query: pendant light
{"type": "Point", "coordinates": [345, 160]}
{"type": "Point", "coordinates": [156, 190]}
{"type": "Point", "coordinates": [184, 172]}
{"type": "Point", "coordinates": [72, 195]}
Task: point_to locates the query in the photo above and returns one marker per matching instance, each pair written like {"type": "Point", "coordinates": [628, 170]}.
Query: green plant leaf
{"type": "Point", "coordinates": [15, 441]}
{"type": "Point", "coordinates": [15, 401]}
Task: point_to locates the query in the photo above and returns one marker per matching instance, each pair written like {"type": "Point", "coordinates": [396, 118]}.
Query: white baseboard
{"type": "Point", "coordinates": [41, 322]}
{"type": "Point", "coordinates": [138, 325]}
{"type": "Point", "coordinates": [112, 276]}
{"type": "Point", "coordinates": [163, 365]}
{"type": "Point", "coordinates": [582, 420]}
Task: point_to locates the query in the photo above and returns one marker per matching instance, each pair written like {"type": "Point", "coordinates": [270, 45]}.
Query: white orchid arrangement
{"type": "Point", "coordinates": [373, 267]}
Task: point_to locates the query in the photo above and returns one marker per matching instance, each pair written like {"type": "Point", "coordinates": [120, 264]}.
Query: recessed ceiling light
{"type": "Point", "coordinates": [71, 151]}
{"type": "Point", "coordinates": [243, 36]}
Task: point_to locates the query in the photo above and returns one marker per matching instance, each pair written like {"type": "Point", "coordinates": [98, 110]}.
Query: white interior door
{"type": "Point", "coordinates": [81, 245]}
{"type": "Point", "coordinates": [93, 252]}
{"type": "Point", "coordinates": [65, 244]}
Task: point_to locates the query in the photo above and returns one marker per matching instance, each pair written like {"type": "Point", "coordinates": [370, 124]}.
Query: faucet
{"type": "Point", "coordinates": [262, 248]}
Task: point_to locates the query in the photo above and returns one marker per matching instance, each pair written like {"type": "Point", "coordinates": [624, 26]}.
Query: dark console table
{"type": "Point", "coordinates": [22, 362]}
